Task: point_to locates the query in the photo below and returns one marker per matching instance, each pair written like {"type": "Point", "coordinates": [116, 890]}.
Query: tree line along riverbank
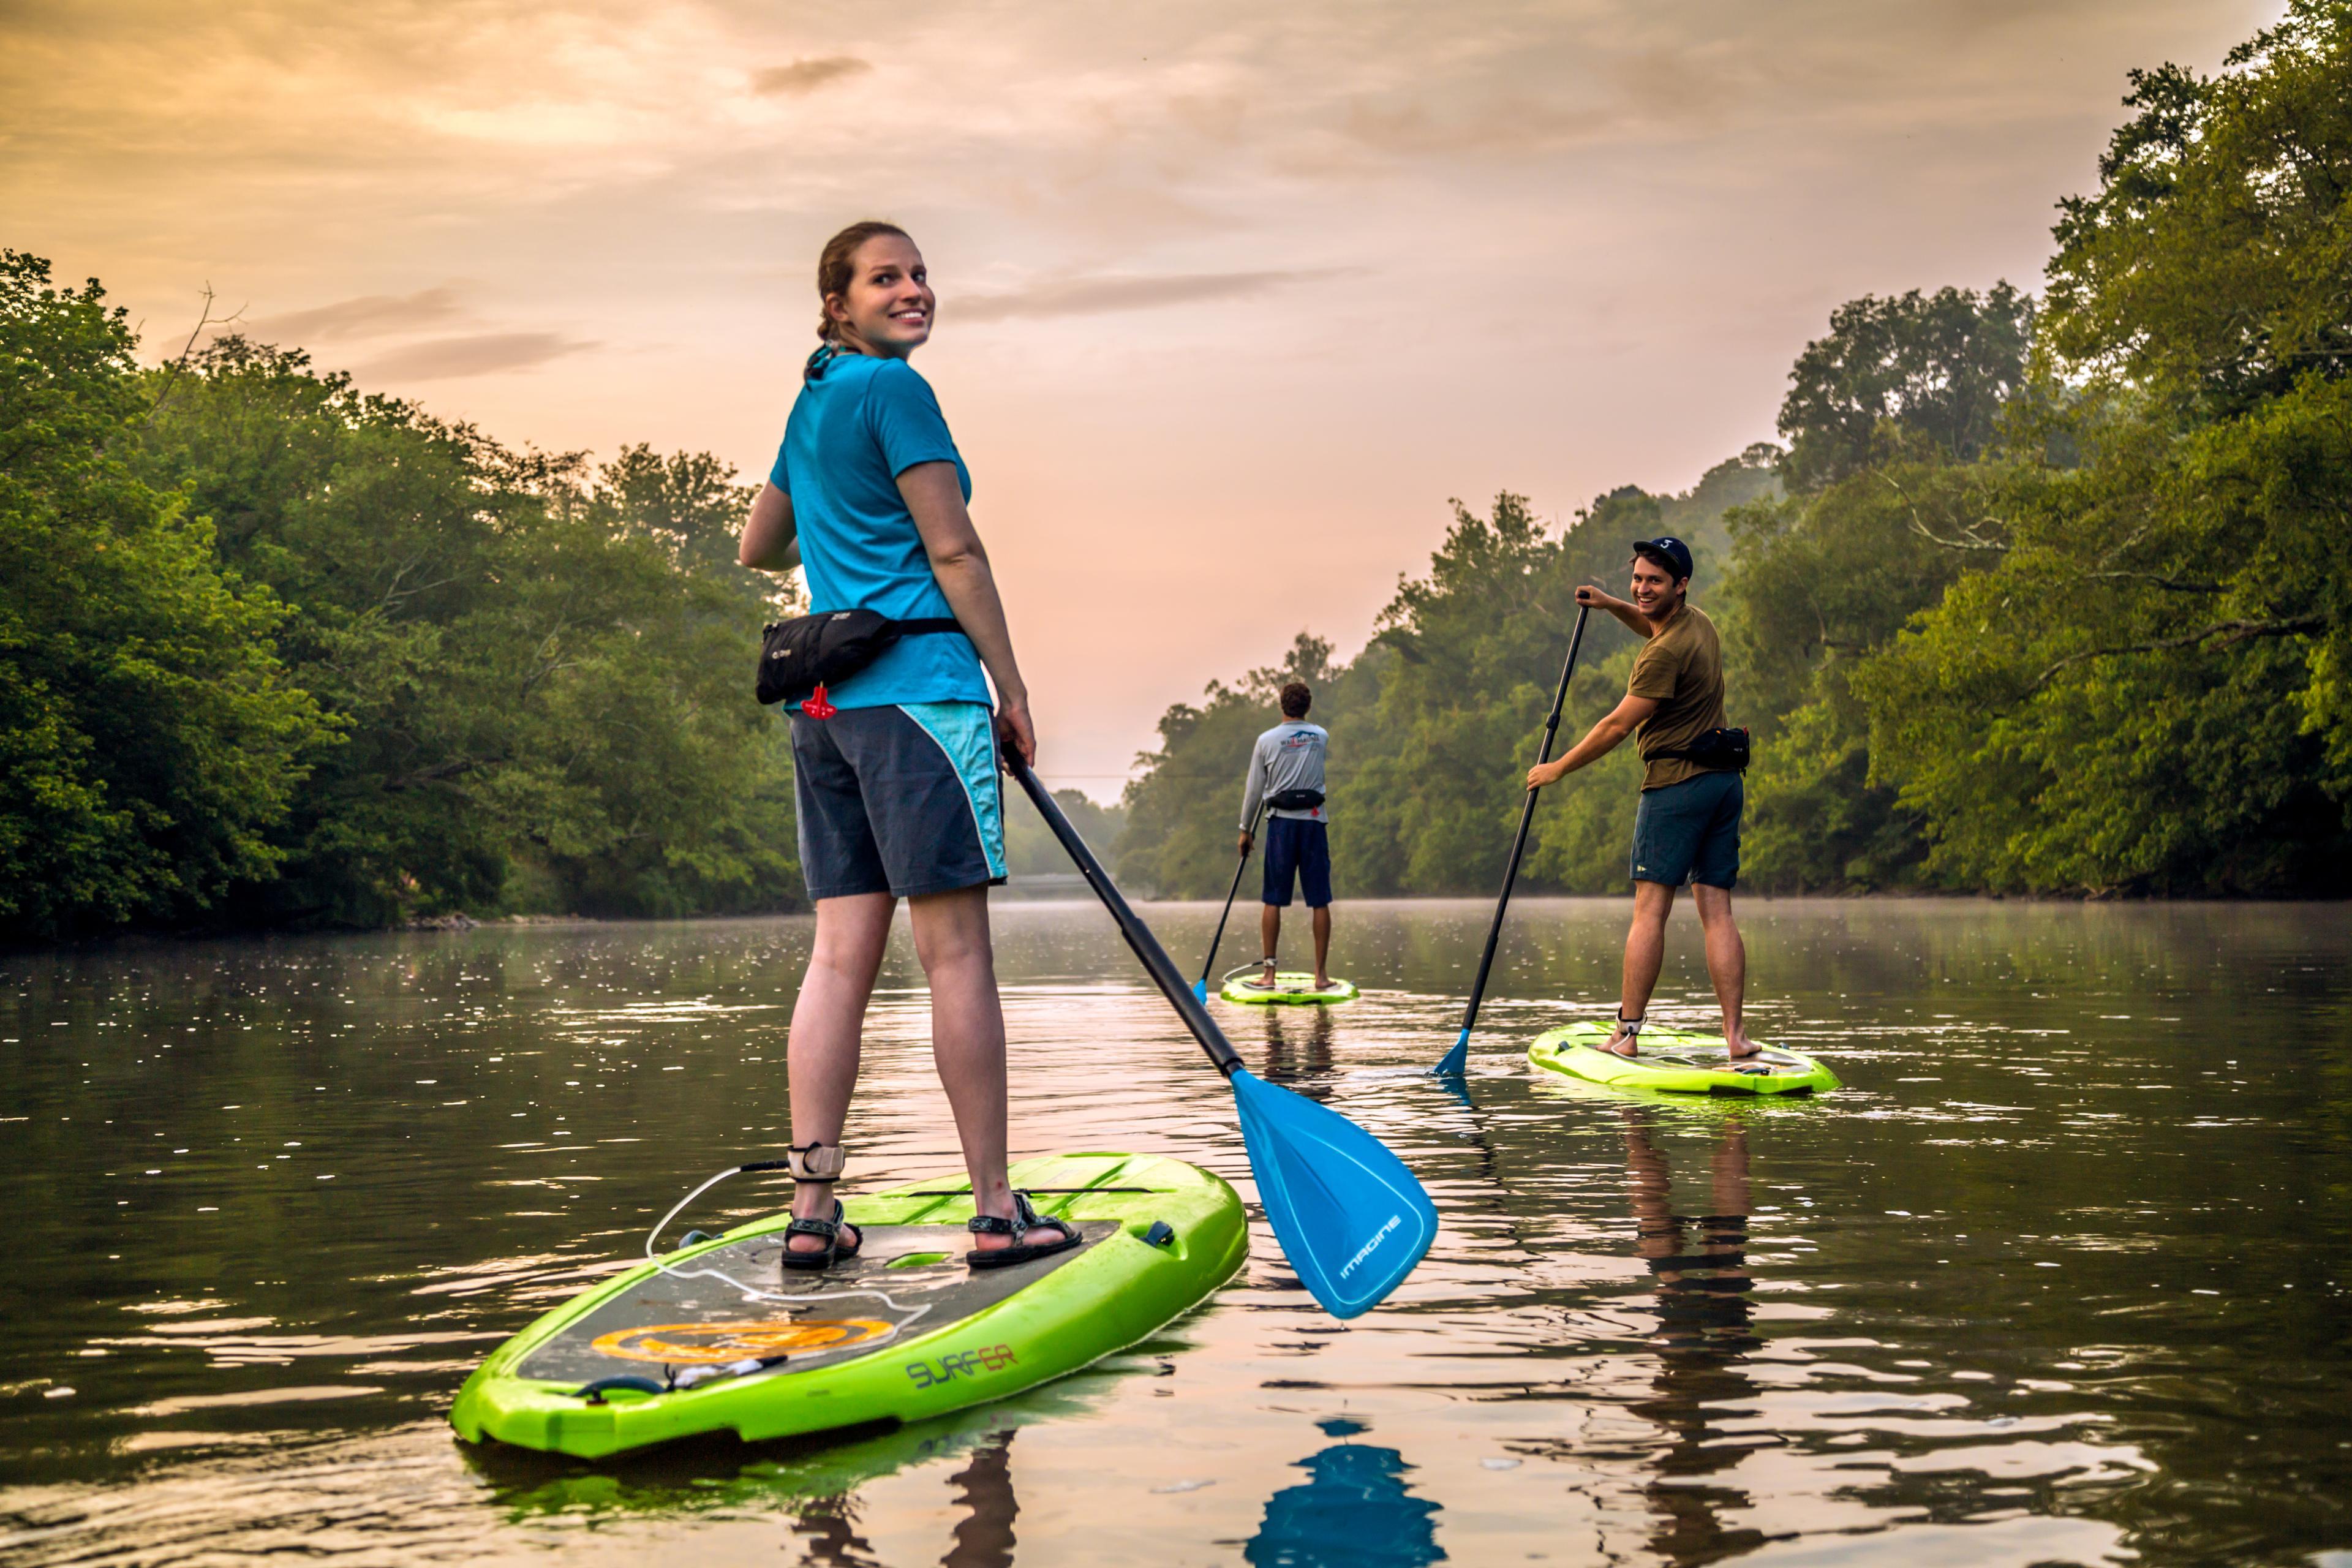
{"type": "Point", "coordinates": [2038, 595]}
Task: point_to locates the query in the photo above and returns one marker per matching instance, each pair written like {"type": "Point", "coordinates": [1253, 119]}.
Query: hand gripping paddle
{"type": "Point", "coordinates": [1457, 1060]}
{"type": "Point", "coordinates": [1350, 1218]}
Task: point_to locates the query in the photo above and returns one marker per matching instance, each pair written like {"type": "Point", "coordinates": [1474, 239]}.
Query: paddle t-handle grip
{"type": "Point", "coordinates": [1154, 957]}
{"type": "Point", "coordinates": [1459, 1057]}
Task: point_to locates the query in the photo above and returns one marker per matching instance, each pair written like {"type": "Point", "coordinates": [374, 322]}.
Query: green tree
{"type": "Point", "coordinates": [1433, 725]}
{"type": "Point", "coordinates": [539, 671]}
{"type": "Point", "coordinates": [149, 741]}
{"type": "Point", "coordinates": [1030, 847]}
{"type": "Point", "coordinates": [1930, 372]}
{"type": "Point", "coordinates": [2145, 691]}
{"type": "Point", "coordinates": [1819, 583]}
{"type": "Point", "coordinates": [2212, 267]}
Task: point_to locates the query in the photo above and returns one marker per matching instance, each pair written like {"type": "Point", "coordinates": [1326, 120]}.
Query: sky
{"type": "Point", "coordinates": [1233, 298]}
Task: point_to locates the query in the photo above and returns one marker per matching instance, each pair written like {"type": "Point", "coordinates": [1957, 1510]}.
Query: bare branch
{"type": "Point", "coordinates": [1970, 537]}
{"type": "Point", "coordinates": [2219, 635]}
{"type": "Point", "coordinates": [2175, 585]}
{"type": "Point", "coordinates": [433, 774]}
{"type": "Point", "coordinates": [176, 366]}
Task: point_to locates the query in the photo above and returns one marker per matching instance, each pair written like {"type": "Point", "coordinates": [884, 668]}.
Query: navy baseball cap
{"type": "Point", "coordinates": [1667, 551]}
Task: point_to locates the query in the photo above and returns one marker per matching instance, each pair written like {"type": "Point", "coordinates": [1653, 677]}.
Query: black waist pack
{"type": "Point", "coordinates": [798, 656]}
{"type": "Point", "coordinates": [1296, 800]}
{"type": "Point", "coordinates": [1724, 750]}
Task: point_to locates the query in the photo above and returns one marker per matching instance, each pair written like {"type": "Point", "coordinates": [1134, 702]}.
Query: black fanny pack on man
{"type": "Point", "coordinates": [1723, 749]}
{"type": "Point", "coordinates": [1295, 799]}
{"type": "Point", "coordinates": [807, 653]}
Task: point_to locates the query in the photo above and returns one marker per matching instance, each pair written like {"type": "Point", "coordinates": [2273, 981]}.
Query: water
{"type": "Point", "coordinates": [2059, 1277]}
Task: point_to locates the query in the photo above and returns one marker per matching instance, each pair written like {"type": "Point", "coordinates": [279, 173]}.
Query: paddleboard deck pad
{"type": "Point", "coordinates": [1678, 1061]}
{"type": "Point", "coordinates": [717, 1337]}
{"type": "Point", "coordinates": [1290, 989]}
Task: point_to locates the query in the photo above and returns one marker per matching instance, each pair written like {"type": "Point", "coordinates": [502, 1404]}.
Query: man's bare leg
{"type": "Point", "coordinates": [1645, 954]}
{"type": "Point", "coordinates": [1269, 937]}
{"type": "Point", "coordinates": [828, 1019]}
{"type": "Point", "coordinates": [1727, 965]}
{"type": "Point", "coordinates": [1323, 948]}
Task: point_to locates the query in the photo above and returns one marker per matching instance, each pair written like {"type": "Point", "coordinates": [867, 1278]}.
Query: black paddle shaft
{"type": "Point", "coordinates": [1527, 817]}
{"type": "Point", "coordinates": [1224, 914]}
{"type": "Point", "coordinates": [1155, 961]}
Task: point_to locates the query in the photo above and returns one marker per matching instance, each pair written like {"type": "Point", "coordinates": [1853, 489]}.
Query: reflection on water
{"type": "Point", "coordinates": [1352, 1511]}
{"type": "Point", "coordinates": [1706, 1325]}
{"type": "Point", "coordinates": [2054, 1279]}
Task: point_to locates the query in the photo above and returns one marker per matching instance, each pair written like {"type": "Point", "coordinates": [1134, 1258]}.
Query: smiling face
{"type": "Point", "coordinates": [887, 309]}
{"type": "Point", "coordinates": [1657, 593]}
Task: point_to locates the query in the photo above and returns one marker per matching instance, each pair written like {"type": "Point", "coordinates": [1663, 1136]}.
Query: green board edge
{"type": "Point", "coordinates": [1119, 1291]}
{"type": "Point", "coordinates": [1574, 1050]}
{"type": "Point", "coordinates": [1298, 992]}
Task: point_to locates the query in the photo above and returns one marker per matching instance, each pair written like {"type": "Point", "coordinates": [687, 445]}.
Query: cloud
{"type": "Point", "coordinates": [1100, 296]}
{"type": "Point", "coordinates": [482, 354]}
{"type": "Point", "coordinates": [802, 76]}
{"type": "Point", "coordinates": [368, 316]}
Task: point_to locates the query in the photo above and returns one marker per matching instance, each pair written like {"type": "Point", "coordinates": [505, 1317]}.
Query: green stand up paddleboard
{"type": "Point", "coordinates": [716, 1337]}
{"type": "Point", "coordinates": [1290, 988]}
{"type": "Point", "coordinates": [1678, 1061]}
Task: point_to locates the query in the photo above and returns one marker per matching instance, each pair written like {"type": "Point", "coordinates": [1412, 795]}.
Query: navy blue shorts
{"type": "Point", "coordinates": [900, 799]}
{"type": "Point", "coordinates": [1689, 832]}
{"type": "Point", "coordinates": [1296, 847]}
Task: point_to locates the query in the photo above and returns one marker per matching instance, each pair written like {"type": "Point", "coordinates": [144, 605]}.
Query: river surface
{"type": "Point", "coordinates": [2060, 1275]}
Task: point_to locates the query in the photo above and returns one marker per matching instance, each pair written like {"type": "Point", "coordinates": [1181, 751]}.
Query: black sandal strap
{"type": "Point", "coordinates": [1025, 1218]}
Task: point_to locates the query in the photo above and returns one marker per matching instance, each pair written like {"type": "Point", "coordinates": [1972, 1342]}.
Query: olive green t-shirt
{"type": "Point", "coordinates": [1682, 667]}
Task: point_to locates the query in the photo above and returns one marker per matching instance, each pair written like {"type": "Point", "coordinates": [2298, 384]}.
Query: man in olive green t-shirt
{"type": "Point", "coordinates": [1687, 830]}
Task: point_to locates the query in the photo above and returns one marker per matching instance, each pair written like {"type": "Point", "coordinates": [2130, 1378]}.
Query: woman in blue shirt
{"type": "Point", "coordinates": [895, 767]}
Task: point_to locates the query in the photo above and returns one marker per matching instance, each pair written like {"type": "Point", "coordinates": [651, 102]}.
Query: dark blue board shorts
{"type": "Point", "coordinates": [1296, 847]}
{"type": "Point", "coordinates": [1689, 832]}
{"type": "Point", "coordinates": [899, 799]}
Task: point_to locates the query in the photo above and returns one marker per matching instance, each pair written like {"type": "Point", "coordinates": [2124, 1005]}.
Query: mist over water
{"type": "Point", "coordinates": [2060, 1275]}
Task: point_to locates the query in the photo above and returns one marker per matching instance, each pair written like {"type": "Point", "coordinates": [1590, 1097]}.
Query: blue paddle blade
{"type": "Point", "coordinates": [1201, 992]}
{"type": "Point", "coordinates": [1350, 1218]}
{"type": "Point", "coordinates": [1456, 1062]}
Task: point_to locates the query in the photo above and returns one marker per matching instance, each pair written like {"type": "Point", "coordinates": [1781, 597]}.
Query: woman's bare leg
{"type": "Point", "coordinates": [828, 1022]}
{"type": "Point", "coordinates": [968, 1038]}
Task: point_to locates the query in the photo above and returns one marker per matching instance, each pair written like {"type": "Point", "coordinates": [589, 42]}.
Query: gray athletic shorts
{"type": "Point", "coordinates": [900, 799]}
{"type": "Point", "coordinates": [1689, 832]}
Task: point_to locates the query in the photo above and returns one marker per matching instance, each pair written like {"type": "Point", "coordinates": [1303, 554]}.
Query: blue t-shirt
{"type": "Point", "coordinates": [854, 430]}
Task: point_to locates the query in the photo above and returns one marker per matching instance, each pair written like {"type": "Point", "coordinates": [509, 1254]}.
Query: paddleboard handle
{"type": "Point", "coordinates": [1155, 959]}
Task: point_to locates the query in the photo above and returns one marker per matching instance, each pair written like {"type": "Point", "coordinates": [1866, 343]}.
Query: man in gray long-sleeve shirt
{"type": "Point", "coordinates": [1285, 774]}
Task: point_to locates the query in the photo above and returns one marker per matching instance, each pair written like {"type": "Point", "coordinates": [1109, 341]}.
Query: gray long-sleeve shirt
{"type": "Point", "coordinates": [1288, 757]}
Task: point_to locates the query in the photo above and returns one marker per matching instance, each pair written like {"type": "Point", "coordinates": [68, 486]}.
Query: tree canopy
{"type": "Point", "coordinates": [2047, 598]}
{"type": "Point", "coordinates": [279, 652]}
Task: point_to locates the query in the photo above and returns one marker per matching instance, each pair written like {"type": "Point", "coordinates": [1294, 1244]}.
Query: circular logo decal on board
{"type": "Point", "coordinates": [706, 1344]}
